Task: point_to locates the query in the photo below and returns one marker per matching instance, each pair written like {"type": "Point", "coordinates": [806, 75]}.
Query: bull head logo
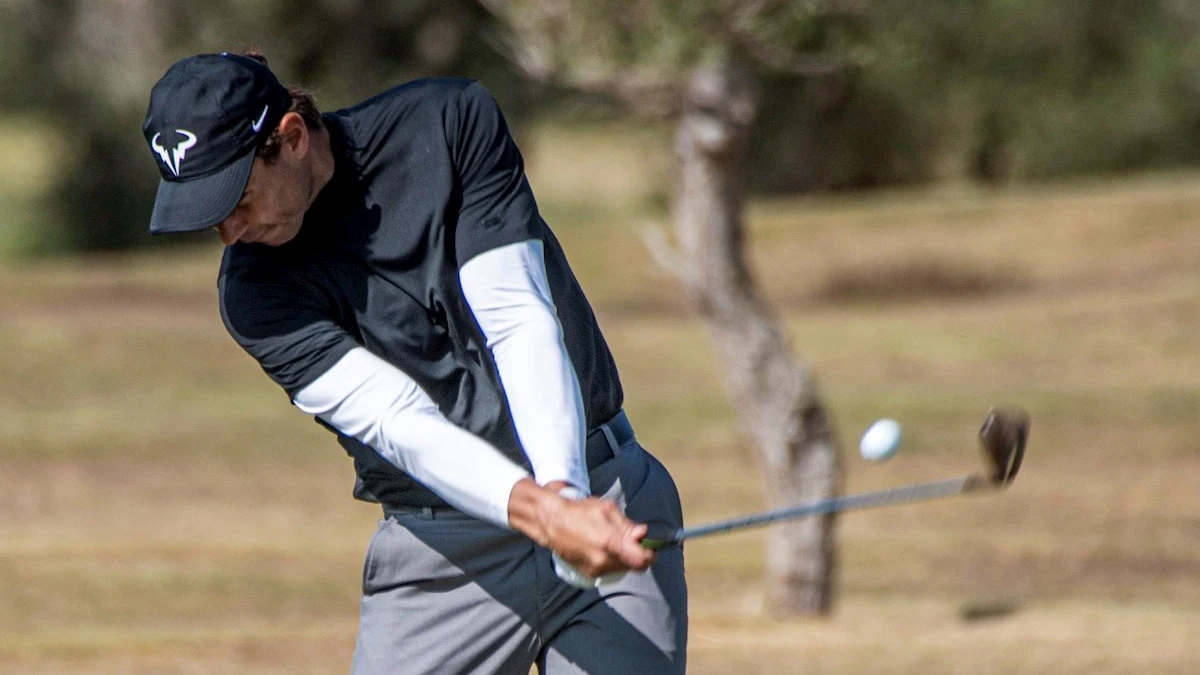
{"type": "Point", "coordinates": [174, 156]}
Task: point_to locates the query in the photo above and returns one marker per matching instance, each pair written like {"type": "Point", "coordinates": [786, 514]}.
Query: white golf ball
{"type": "Point", "coordinates": [880, 441]}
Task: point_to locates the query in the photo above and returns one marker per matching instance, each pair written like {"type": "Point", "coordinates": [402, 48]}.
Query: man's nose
{"type": "Point", "coordinates": [231, 229]}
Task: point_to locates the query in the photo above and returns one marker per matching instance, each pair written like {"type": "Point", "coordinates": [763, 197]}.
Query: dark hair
{"type": "Point", "coordinates": [303, 104]}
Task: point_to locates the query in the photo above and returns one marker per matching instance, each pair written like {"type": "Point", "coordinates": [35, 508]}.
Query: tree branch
{"type": "Point", "coordinates": [752, 26]}
{"type": "Point", "coordinates": [789, 61]}
{"type": "Point", "coordinates": [667, 257]}
{"type": "Point", "coordinates": [649, 94]}
{"type": "Point", "coordinates": [538, 51]}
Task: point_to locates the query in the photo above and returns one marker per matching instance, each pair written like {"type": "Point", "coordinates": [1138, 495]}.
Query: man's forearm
{"type": "Point", "coordinates": [370, 400]}
{"type": "Point", "coordinates": [509, 295]}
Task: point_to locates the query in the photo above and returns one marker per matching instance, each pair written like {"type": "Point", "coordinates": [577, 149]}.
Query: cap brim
{"type": "Point", "coordinates": [200, 203]}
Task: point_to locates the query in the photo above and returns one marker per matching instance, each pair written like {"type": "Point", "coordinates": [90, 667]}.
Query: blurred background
{"type": "Point", "coordinates": [969, 202]}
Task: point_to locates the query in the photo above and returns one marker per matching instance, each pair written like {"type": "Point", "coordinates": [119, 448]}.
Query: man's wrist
{"type": "Point", "coordinates": [532, 506]}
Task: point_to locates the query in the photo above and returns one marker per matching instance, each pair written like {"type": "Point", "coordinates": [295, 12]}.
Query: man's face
{"type": "Point", "coordinates": [273, 205]}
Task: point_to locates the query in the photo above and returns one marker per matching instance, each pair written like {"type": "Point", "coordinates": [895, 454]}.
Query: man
{"type": "Point", "coordinates": [386, 265]}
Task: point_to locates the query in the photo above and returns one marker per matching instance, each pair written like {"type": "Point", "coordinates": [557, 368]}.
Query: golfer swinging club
{"type": "Point", "coordinates": [387, 267]}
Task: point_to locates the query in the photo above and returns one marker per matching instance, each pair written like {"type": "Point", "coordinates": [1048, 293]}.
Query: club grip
{"type": "Point", "coordinates": [660, 538]}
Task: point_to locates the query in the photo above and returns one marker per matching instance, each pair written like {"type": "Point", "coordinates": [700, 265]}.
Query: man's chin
{"type": "Point", "coordinates": [280, 236]}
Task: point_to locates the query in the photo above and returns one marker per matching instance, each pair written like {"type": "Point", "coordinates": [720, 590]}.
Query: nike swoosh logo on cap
{"type": "Point", "coordinates": [257, 126]}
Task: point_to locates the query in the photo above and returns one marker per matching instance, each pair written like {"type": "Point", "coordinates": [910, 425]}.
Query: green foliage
{"type": "Point", "coordinates": [103, 202]}
{"type": "Point", "coordinates": [986, 90]}
{"type": "Point", "coordinates": [590, 42]}
{"type": "Point", "coordinates": [993, 90]}
{"type": "Point", "coordinates": [1037, 90]}
{"type": "Point", "coordinates": [605, 34]}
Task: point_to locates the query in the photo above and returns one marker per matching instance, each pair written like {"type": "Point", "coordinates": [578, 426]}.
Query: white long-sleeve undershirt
{"type": "Point", "coordinates": [371, 400]}
{"type": "Point", "coordinates": [509, 295]}
{"type": "Point", "coordinates": [367, 398]}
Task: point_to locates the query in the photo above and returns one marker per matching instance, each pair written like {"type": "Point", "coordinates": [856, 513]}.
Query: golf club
{"type": "Point", "coordinates": [1002, 441]}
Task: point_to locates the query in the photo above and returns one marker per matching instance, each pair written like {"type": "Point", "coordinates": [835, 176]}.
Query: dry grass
{"type": "Point", "coordinates": [162, 510]}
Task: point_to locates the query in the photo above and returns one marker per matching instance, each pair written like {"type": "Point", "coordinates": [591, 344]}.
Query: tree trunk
{"type": "Point", "coordinates": [776, 396]}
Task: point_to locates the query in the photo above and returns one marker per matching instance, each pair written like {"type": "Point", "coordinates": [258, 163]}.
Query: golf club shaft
{"type": "Point", "coordinates": [866, 500]}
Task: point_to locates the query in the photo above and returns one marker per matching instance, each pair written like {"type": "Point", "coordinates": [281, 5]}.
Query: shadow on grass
{"type": "Point", "coordinates": [916, 279]}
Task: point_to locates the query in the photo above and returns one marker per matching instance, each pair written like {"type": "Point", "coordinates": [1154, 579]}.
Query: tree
{"type": "Point", "coordinates": [699, 63]}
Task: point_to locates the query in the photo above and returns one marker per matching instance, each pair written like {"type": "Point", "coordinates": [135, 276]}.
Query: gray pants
{"type": "Point", "coordinates": [446, 593]}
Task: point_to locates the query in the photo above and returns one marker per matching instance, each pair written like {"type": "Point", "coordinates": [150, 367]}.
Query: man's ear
{"type": "Point", "coordinates": [294, 134]}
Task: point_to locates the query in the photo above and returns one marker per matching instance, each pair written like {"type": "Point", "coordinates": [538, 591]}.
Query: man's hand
{"type": "Point", "coordinates": [591, 534]}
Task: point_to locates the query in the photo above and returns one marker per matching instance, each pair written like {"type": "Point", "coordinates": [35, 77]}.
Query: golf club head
{"type": "Point", "coordinates": [1002, 441]}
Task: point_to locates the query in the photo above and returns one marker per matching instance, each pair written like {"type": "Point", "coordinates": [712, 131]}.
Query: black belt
{"type": "Point", "coordinates": [606, 440]}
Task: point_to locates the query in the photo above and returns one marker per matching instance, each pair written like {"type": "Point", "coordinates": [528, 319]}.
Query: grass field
{"type": "Point", "coordinates": [163, 510]}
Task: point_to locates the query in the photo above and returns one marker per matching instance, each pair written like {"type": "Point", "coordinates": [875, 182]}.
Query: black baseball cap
{"type": "Point", "coordinates": [207, 116]}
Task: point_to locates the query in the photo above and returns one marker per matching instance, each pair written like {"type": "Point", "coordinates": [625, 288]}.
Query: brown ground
{"type": "Point", "coordinates": [162, 510]}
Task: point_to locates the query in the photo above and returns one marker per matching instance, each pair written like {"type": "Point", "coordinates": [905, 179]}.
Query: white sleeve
{"type": "Point", "coordinates": [367, 398]}
{"type": "Point", "coordinates": [508, 292]}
